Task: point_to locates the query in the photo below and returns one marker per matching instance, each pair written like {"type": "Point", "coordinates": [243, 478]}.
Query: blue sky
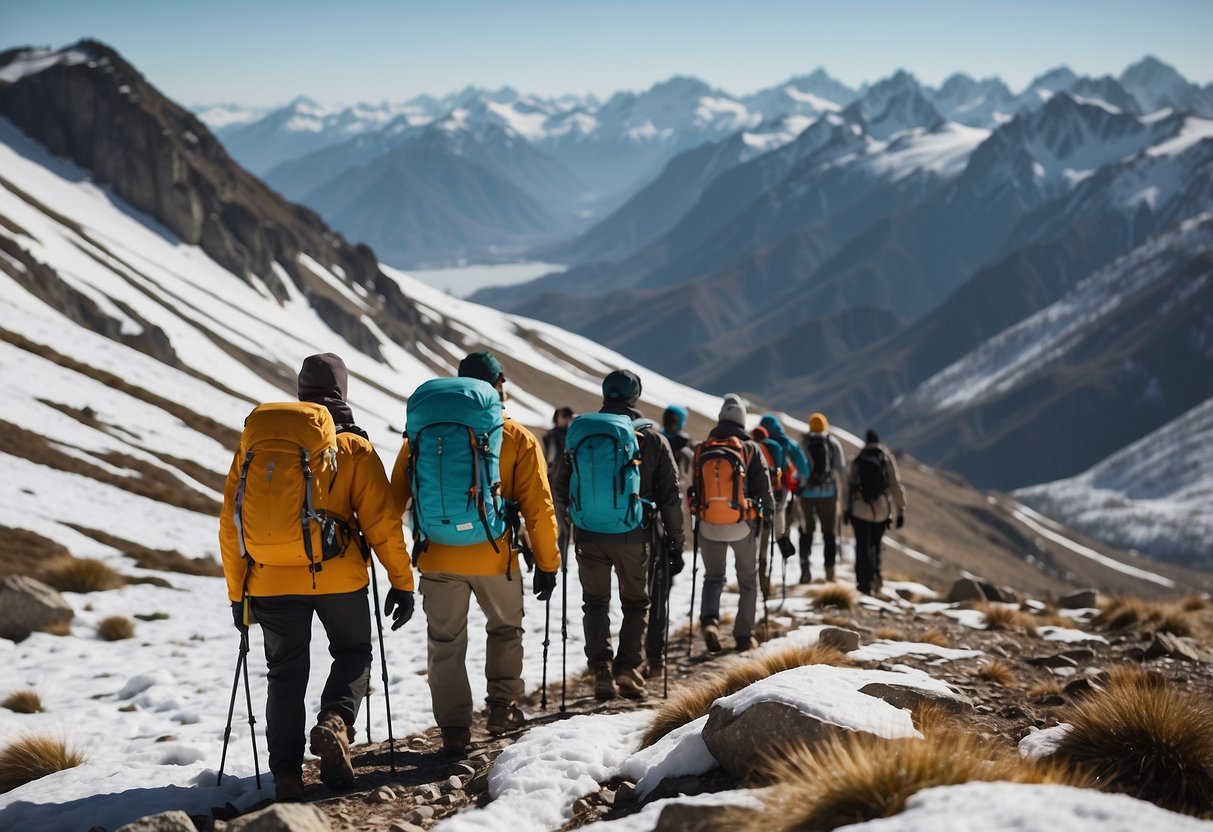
{"type": "Point", "coordinates": [260, 53]}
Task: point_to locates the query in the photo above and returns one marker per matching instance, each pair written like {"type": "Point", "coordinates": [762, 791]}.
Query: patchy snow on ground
{"type": "Point", "coordinates": [973, 619]}
{"type": "Point", "coordinates": [678, 753]}
{"type": "Point", "coordinates": [884, 649]}
{"type": "Point", "coordinates": [1066, 634]}
{"type": "Point", "coordinates": [535, 781]}
{"type": "Point", "coordinates": [1019, 807]}
{"type": "Point", "coordinates": [1043, 742]}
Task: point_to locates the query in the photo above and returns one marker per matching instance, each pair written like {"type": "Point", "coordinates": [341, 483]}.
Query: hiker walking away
{"type": "Point", "coordinates": [467, 503]}
{"type": "Point", "coordinates": [781, 475]}
{"type": "Point", "coordinates": [797, 470]}
{"type": "Point", "coordinates": [874, 498]}
{"type": "Point", "coordinates": [616, 474]}
{"type": "Point", "coordinates": [553, 450]}
{"type": "Point", "coordinates": [286, 580]}
{"type": "Point", "coordinates": [732, 487]}
{"type": "Point", "coordinates": [819, 493]}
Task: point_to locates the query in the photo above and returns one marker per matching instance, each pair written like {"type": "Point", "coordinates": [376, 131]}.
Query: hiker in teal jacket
{"type": "Point", "coordinates": [794, 455]}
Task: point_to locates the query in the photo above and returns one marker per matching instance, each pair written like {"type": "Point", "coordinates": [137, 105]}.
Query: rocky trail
{"type": "Point", "coordinates": [1017, 663]}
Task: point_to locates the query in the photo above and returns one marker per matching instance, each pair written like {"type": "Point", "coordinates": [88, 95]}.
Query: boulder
{"type": "Point", "coordinates": [282, 817]}
{"type": "Point", "coordinates": [738, 740]}
{"type": "Point", "coordinates": [839, 638]}
{"type": "Point", "coordinates": [913, 698]}
{"type": "Point", "coordinates": [1176, 647]}
{"type": "Point", "coordinates": [1080, 600]}
{"type": "Point", "coordinates": [27, 605]}
{"type": "Point", "coordinates": [999, 594]}
{"type": "Point", "coordinates": [175, 821]}
{"type": "Point", "coordinates": [1052, 661]}
{"type": "Point", "coordinates": [688, 817]}
{"type": "Point", "coordinates": [966, 589]}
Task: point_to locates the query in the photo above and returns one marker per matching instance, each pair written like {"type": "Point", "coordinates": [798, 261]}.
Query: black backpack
{"type": "Point", "coordinates": [817, 448]}
{"type": "Point", "coordinates": [873, 474]}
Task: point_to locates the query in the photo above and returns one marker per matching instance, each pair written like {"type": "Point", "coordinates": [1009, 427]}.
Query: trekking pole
{"type": "Point", "coordinates": [248, 697]}
{"type": "Point", "coordinates": [766, 585]}
{"type": "Point", "coordinates": [694, 574]}
{"type": "Point", "coordinates": [369, 690]}
{"type": "Point", "coordinates": [547, 640]}
{"type": "Point", "coordinates": [387, 696]}
{"type": "Point", "coordinates": [665, 642]}
{"type": "Point", "coordinates": [564, 623]}
{"type": "Point", "coordinates": [231, 710]}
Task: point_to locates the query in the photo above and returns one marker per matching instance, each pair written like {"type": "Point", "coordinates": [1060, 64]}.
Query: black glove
{"type": "Point", "coordinates": [400, 600]}
{"type": "Point", "coordinates": [901, 520]}
{"type": "Point", "coordinates": [786, 547]}
{"type": "Point", "coordinates": [673, 556]}
{"type": "Point", "coordinates": [238, 615]}
{"type": "Point", "coordinates": [846, 517]}
{"type": "Point", "coordinates": [545, 584]}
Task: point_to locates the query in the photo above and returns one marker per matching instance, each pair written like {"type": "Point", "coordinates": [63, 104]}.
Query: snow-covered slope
{"type": "Point", "coordinates": [1152, 496]}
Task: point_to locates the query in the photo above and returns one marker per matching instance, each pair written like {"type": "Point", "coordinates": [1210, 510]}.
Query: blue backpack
{"type": "Point", "coordinates": [454, 428]}
{"type": "Point", "coordinates": [604, 486]}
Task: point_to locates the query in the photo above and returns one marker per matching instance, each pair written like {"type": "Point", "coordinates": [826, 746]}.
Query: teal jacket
{"type": "Point", "coordinates": [790, 449]}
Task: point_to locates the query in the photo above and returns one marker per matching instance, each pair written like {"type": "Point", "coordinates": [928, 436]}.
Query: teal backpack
{"type": "Point", "coordinates": [604, 486]}
{"type": "Point", "coordinates": [454, 430]}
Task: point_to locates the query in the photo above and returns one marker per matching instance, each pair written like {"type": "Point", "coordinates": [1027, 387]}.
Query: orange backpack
{"type": "Point", "coordinates": [720, 473]}
{"type": "Point", "coordinates": [289, 453]}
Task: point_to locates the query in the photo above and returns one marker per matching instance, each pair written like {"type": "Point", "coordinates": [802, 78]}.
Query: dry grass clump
{"type": "Point", "coordinates": [1124, 611]}
{"type": "Point", "coordinates": [1002, 617]}
{"type": "Point", "coordinates": [891, 633]}
{"type": "Point", "coordinates": [116, 628]}
{"type": "Point", "coordinates": [855, 777]}
{"type": "Point", "coordinates": [998, 672]}
{"type": "Point", "coordinates": [934, 636]}
{"type": "Point", "coordinates": [1143, 736]}
{"type": "Point", "coordinates": [1194, 603]}
{"type": "Point", "coordinates": [1046, 688]}
{"type": "Point", "coordinates": [694, 699]}
{"type": "Point", "coordinates": [31, 757]}
{"type": "Point", "coordinates": [59, 628]}
{"type": "Point", "coordinates": [835, 596]}
{"type": "Point", "coordinates": [24, 702]}
{"type": "Point", "coordinates": [835, 620]}
{"type": "Point", "coordinates": [70, 574]}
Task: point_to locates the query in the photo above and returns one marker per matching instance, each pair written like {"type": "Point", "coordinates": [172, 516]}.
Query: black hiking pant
{"type": "Point", "coordinates": [867, 552]}
{"type": "Point", "coordinates": [286, 622]}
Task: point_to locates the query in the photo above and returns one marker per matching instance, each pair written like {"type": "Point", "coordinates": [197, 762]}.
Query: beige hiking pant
{"type": "Point", "coordinates": [445, 598]}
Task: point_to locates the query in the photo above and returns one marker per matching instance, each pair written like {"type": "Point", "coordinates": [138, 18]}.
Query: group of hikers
{"type": "Point", "coordinates": [308, 501]}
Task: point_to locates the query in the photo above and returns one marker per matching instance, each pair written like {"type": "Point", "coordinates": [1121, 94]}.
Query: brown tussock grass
{"type": "Point", "coordinates": [1144, 736]}
{"type": "Point", "coordinates": [1122, 612]}
{"type": "Point", "coordinates": [998, 672]}
{"type": "Point", "coordinates": [855, 777]}
{"type": "Point", "coordinates": [891, 633]}
{"type": "Point", "coordinates": [1048, 687]}
{"type": "Point", "coordinates": [1000, 617]}
{"type": "Point", "coordinates": [31, 757]}
{"type": "Point", "coordinates": [24, 702]}
{"type": "Point", "coordinates": [935, 636]}
{"type": "Point", "coordinates": [836, 597]}
{"type": "Point", "coordinates": [694, 699]}
{"type": "Point", "coordinates": [59, 628]}
{"type": "Point", "coordinates": [835, 620]}
{"type": "Point", "coordinates": [1194, 603]}
{"type": "Point", "coordinates": [116, 628]}
{"type": "Point", "coordinates": [69, 574]}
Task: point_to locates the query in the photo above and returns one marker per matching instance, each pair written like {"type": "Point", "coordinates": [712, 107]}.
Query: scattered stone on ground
{"type": "Point", "coordinates": [27, 605]}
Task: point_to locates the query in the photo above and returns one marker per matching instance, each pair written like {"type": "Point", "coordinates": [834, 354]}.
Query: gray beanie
{"type": "Point", "coordinates": [733, 410]}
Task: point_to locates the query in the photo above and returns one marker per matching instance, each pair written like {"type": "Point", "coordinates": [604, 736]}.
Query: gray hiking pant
{"type": "Point", "coordinates": [286, 624]}
{"type": "Point", "coordinates": [715, 553]}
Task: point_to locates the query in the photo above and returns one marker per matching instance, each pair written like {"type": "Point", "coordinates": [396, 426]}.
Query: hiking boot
{"type": "Point", "coordinates": [806, 575]}
{"type": "Point", "coordinates": [744, 644]}
{"type": "Point", "coordinates": [877, 585]}
{"type": "Point", "coordinates": [631, 684]}
{"type": "Point", "coordinates": [829, 574]}
{"type": "Point", "coordinates": [711, 637]}
{"type": "Point", "coordinates": [455, 739]}
{"type": "Point", "coordinates": [330, 742]}
{"type": "Point", "coordinates": [504, 716]}
{"type": "Point", "coordinates": [288, 788]}
{"type": "Point", "coordinates": [654, 668]}
{"type": "Point", "coordinates": [604, 684]}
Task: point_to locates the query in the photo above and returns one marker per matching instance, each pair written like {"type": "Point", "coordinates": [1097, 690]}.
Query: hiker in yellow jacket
{"type": "Point", "coordinates": [450, 575]}
{"type": "Point", "coordinates": [282, 599]}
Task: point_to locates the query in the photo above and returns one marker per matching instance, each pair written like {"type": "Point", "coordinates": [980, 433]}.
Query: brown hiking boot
{"type": "Point", "coordinates": [744, 644]}
{"type": "Point", "coordinates": [654, 668]}
{"type": "Point", "coordinates": [504, 716]}
{"type": "Point", "coordinates": [631, 684]}
{"type": "Point", "coordinates": [330, 742]}
{"type": "Point", "coordinates": [456, 739]}
{"type": "Point", "coordinates": [604, 684]}
{"type": "Point", "coordinates": [288, 788]}
{"type": "Point", "coordinates": [711, 637]}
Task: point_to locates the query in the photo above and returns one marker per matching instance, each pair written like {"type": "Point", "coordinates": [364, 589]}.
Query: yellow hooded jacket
{"type": "Point", "coordinates": [362, 496]}
{"type": "Point", "coordinates": [524, 480]}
